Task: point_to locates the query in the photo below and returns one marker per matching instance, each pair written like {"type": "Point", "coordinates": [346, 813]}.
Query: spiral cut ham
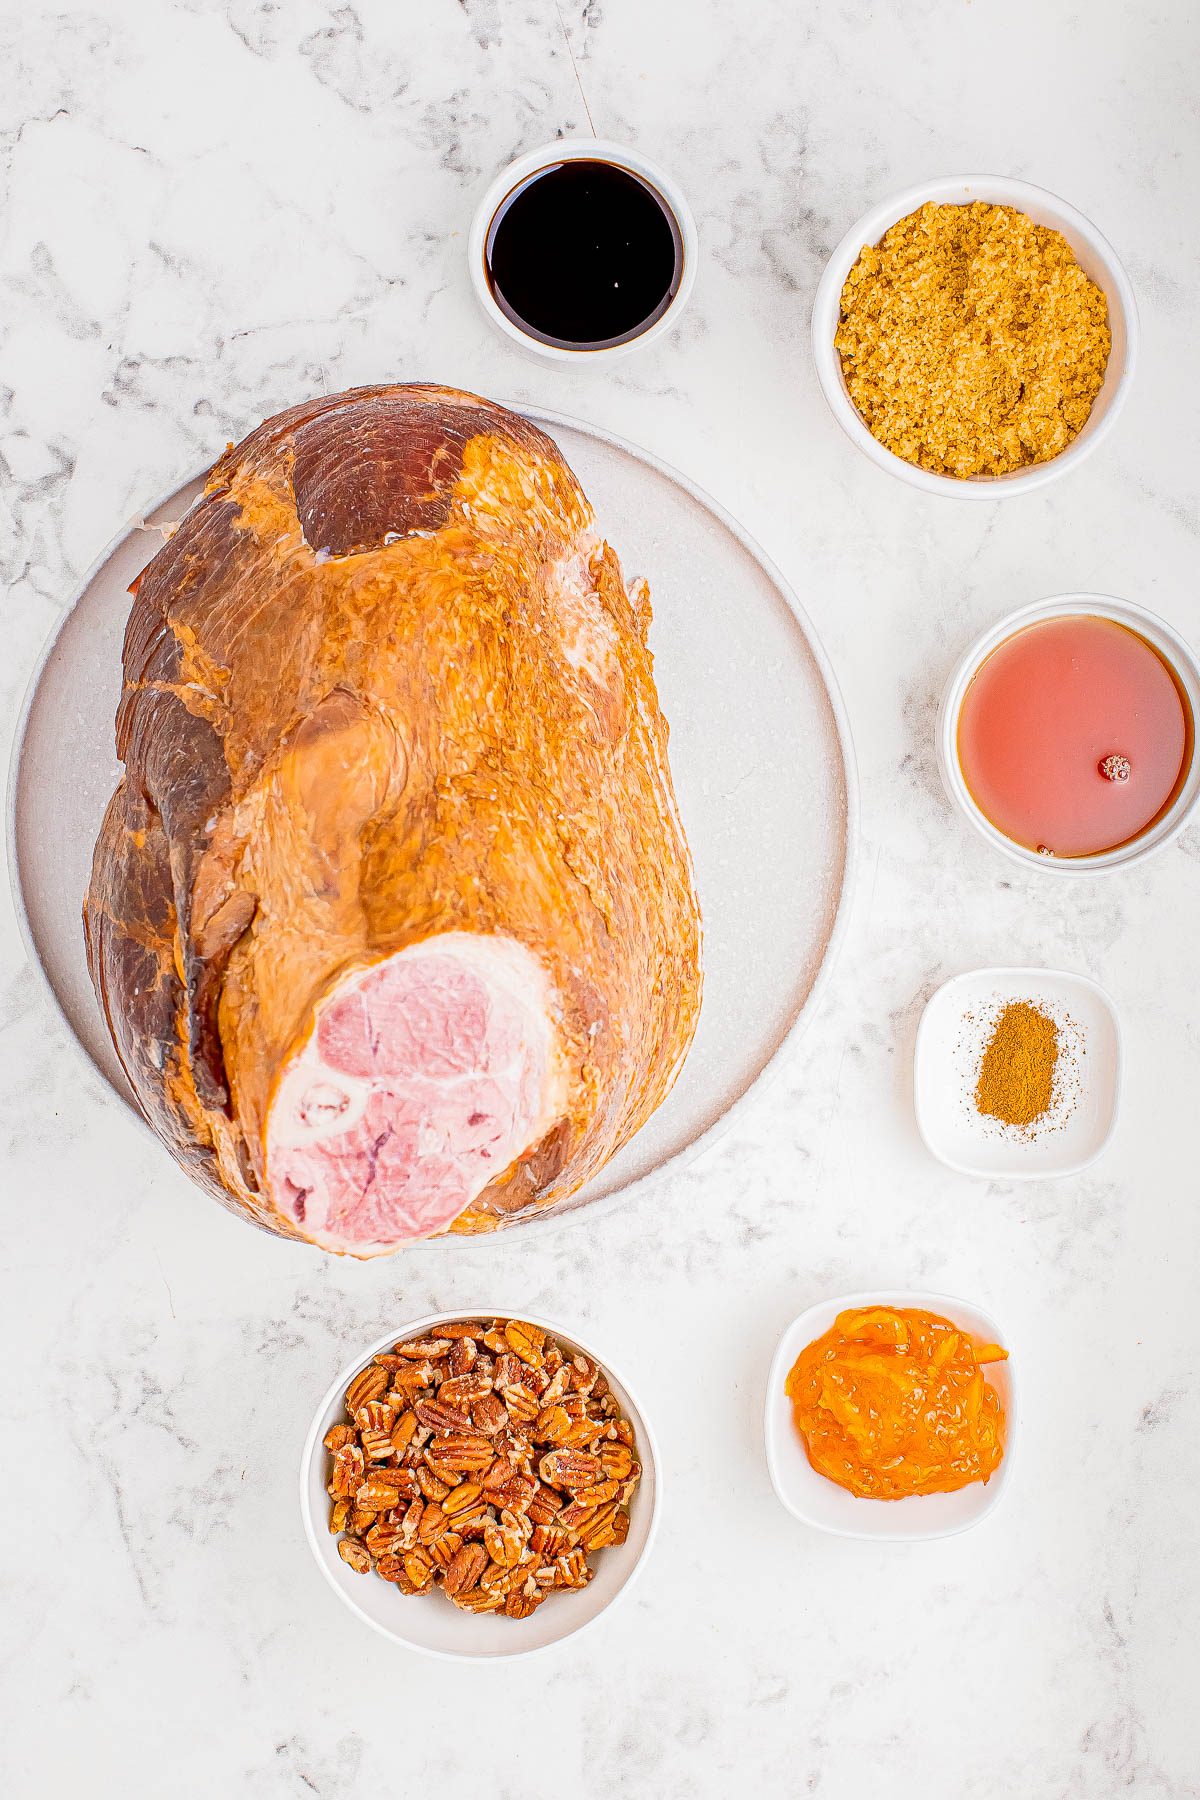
{"type": "Point", "coordinates": [392, 916]}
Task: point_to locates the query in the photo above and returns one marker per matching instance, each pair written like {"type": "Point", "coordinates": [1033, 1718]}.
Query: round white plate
{"type": "Point", "coordinates": [760, 752]}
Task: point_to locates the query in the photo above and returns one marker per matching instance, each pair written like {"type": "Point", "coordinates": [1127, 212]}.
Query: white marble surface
{"type": "Point", "coordinates": [216, 207]}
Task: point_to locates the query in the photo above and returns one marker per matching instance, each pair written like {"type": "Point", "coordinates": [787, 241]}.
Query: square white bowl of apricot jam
{"type": "Point", "coordinates": [957, 1028]}
{"type": "Point", "coordinates": [816, 1499]}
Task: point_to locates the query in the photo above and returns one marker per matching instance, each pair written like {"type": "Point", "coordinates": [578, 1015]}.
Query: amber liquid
{"type": "Point", "coordinates": [584, 255]}
{"type": "Point", "coordinates": [1044, 711]}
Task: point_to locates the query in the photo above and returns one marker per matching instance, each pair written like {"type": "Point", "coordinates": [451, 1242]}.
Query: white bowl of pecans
{"type": "Point", "coordinates": [479, 1485]}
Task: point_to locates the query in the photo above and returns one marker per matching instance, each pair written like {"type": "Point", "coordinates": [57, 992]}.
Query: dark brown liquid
{"type": "Point", "coordinates": [584, 255]}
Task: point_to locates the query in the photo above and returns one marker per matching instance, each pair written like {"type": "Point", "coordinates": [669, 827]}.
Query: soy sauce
{"type": "Point", "coordinates": [584, 255]}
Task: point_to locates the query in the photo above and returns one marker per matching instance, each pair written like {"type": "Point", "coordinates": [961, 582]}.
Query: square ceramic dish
{"type": "Point", "coordinates": [430, 1622]}
{"type": "Point", "coordinates": [951, 1040]}
{"type": "Point", "coordinates": [816, 1500]}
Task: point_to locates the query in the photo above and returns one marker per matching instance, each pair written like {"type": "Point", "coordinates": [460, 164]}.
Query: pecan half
{"type": "Point", "coordinates": [409, 1380]}
{"type": "Point", "coordinates": [466, 1566]}
{"type": "Point", "coordinates": [442, 1418]}
{"type": "Point", "coordinates": [347, 1472]}
{"type": "Point", "coordinates": [544, 1504]}
{"type": "Point", "coordinates": [385, 1537]}
{"type": "Point", "coordinates": [402, 1432]}
{"type": "Point", "coordinates": [506, 1542]}
{"type": "Point", "coordinates": [377, 1493]}
{"type": "Point", "coordinates": [401, 1483]}
{"type": "Point", "coordinates": [472, 1519]}
{"type": "Point", "coordinates": [526, 1342]}
{"type": "Point", "coordinates": [369, 1384]}
{"type": "Point", "coordinates": [598, 1529]}
{"type": "Point", "coordinates": [548, 1541]}
{"type": "Point", "coordinates": [519, 1605]}
{"type": "Point", "coordinates": [616, 1460]}
{"type": "Point", "coordinates": [355, 1553]}
{"type": "Point", "coordinates": [374, 1416]}
{"type": "Point", "coordinates": [489, 1414]}
{"type": "Point", "coordinates": [434, 1524]}
{"type": "Point", "coordinates": [521, 1404]}
{"type": "Point", "coordinates": [418, 1569]}
{"type": "Point", "coordinates": [571, 1469]}
{"type": "Point", "coordinates": [460, 1498]}
{"type": "Point", "coordinates": [431, 1485]}
{"type": "Point", "coordinates": [599, 1495]}
{"type": "Point", "coordinates": [516, 1494]}
{"type": "Point", "coordinates": [553, 1424]}
{"type": "Point", "coordinates": [463, 1390]}
{"type": "Point", "coordinates": [557, 1387]}
{"type": "Point", "coordinates": [463, 1452]}
{"type": "Point", "coordinates": [444, 1549]}
{"type": "Point", "coordinates": [572, 1570]}
{"type": "Point", "coordinates": [479, 1600]}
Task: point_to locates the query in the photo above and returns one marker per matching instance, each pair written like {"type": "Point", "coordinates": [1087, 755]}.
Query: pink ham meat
{"type": "Point", "coordinates": [423, 1079]}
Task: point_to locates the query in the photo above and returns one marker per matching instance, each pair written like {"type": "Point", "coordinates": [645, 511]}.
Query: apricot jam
{"type": "Point", "coordinates": [892, 1402]}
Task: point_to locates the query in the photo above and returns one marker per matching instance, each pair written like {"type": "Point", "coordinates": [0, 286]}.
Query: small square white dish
{"type": "Point", "coordinates": [431, 1623]}
{"type": "Point", "coordinates": [819, 1502]}
{"type": "Point", "coordinates": [951, 1040]}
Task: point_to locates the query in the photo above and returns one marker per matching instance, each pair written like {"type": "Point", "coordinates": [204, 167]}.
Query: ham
{"type": "Point", "coordinates": [392, 916]}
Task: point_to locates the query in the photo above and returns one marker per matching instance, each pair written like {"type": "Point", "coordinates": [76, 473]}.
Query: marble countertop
{"type": "Point", "coordinates": [217, 207]}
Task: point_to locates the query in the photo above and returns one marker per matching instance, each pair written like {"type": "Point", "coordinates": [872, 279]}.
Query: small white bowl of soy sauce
{"type": "Point", "coordinates": [583, 249]}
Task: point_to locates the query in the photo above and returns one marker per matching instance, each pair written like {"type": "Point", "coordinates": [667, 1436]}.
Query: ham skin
{"type": "Point", "coordinates": [392, 916]}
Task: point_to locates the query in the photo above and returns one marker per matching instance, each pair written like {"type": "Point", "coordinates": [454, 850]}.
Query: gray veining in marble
{"type": "Point", "coordinates": [215, 207]}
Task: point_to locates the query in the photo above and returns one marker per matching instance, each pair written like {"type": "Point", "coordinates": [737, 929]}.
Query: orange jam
{"type": "Point", "coordinates": [893, 1402]}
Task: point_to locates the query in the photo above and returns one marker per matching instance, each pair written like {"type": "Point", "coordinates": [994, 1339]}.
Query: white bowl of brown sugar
{"type": "Point", "coordinates": [975, 336]}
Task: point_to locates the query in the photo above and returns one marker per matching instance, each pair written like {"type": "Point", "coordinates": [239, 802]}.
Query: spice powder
{"type": "Point", "coordinates": [971, 341]}
{"type": "Point", "coordinates": [1016, 1079]}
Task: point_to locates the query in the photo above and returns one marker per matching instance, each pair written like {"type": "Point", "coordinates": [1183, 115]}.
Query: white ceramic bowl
{"type": "Point", "coordinates": [1096, 257]}
{"type": "Point", "coordinates": [430, 1622]}
{"type": "Point", "coordinates": [1170, 646]}
{"type": "Point", "coordinates": [816, 1500]}
{"type": "Point", "coordinates": [547, 157]}
{"type": "Point", "coordinates": [951, 1039]}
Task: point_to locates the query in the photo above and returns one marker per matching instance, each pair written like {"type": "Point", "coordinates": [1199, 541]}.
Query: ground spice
{"type": "Point", "coordinates": [972, 342]}
{"type": "Point", "coordinates": [1016, 1080]}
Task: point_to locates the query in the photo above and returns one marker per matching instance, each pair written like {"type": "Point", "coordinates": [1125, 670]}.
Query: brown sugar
{"type": "Point", "coordinates": [971, 341]}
